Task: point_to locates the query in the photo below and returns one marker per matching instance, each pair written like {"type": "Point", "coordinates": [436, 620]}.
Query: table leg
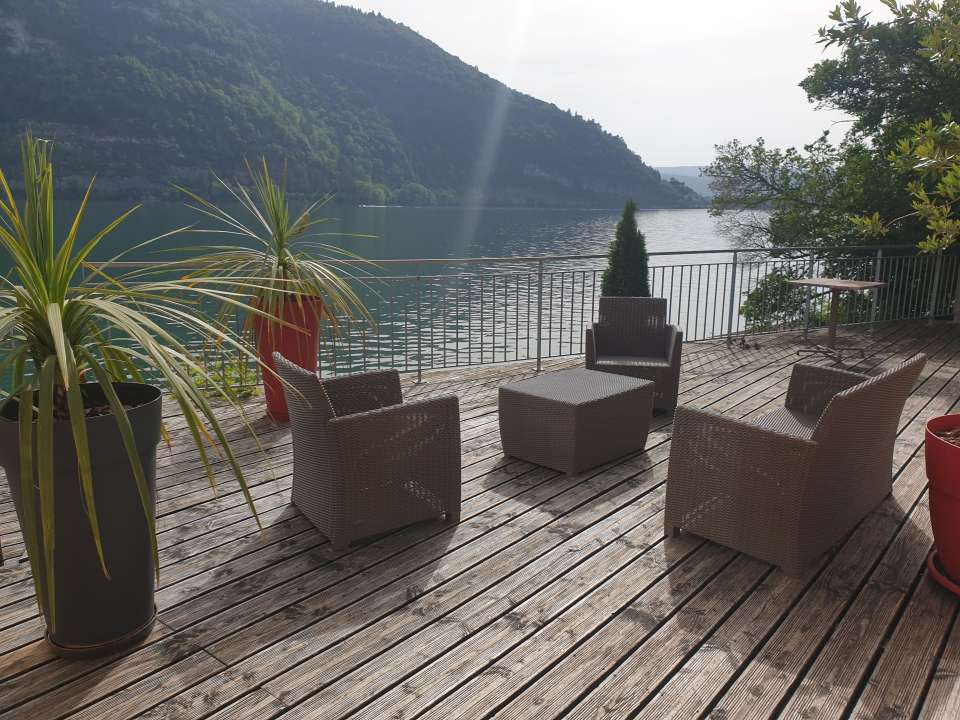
{"type": "Point", "coordinates": [834, 318]}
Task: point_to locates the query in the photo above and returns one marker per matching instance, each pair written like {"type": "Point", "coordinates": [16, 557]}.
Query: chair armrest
{"type": "Point", "coordinates": [590, 346]}
{"type": "Point", "coordinates": [711, 449]}
{"type": "Point", "coordinates": [738, 484]}
{"type": "Point", "coordinates": [361, 392]}
{"type": "Point", "coordinates": [387, 431]}
{"type": "Point", "coordinates": [812, 387]}
{"type": "Point", "coordinates": [674, 345]}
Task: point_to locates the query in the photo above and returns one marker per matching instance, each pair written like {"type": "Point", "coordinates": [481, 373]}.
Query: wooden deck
{"type": "Point", "coordinates": [554, 596]}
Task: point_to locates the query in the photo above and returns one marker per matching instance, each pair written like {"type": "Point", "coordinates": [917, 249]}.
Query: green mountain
{"type": "Point", "coordinates": [145, 92]}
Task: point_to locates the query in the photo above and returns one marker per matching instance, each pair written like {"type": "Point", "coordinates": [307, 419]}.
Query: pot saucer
{"type": "Point", "coordinates": [939, 574]}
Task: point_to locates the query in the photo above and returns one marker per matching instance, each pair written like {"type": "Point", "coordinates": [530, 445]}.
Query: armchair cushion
{"type": "Point", "coordinates": [789, 422]}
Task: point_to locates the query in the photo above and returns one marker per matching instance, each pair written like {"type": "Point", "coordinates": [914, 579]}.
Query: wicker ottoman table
{"type": "Point", "coordinates": [572, 420]}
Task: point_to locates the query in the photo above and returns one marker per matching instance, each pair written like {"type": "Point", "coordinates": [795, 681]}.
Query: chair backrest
{"type": "Point", "coordinates": [632, 326]}
{"type": "Point", "coordinates": [362, 392]}
{"type": "Point", "coordinates": [306, 397]}
{"type": "Point", "coordinates": [869, 413]}
{"type": "Point", "coordinates": [852, 471]}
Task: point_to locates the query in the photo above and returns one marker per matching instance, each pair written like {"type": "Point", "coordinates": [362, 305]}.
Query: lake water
{"type": "Point", "coordinates": [438, 232]}
{"type": "Point", "coordinates": [442, 315]}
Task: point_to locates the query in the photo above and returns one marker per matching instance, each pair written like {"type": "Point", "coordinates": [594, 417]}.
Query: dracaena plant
{"type": "Point", "coordinates": [65, 321]}
{"type": "Point", "coordinates": [283, 250]}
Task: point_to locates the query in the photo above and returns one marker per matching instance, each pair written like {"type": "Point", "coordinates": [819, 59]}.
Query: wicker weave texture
{"type": "Point", "coordinates": [633, 338]}
{"type": "Point", "coordinates": [788, 487]}
{"type": "Point", "coordinates": [575, 419]}
{"type": "Point", "coordinates": [365, 462]}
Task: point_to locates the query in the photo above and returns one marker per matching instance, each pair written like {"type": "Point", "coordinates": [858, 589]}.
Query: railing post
{"type": "Point", "coordinates": [539, 315]}
{"type": "Point", "coordinates": [875, 293]}
{"type": "Point", "coordinates": [733, 297]}
{"type": "Point", "coordinates": [419, 329]}
{"type": "Point", "coordinates": [808, 299]}
{"type": "Point", "coordinates": [956, 297]}
{"type": "Point", "coordinates": [934, 290]}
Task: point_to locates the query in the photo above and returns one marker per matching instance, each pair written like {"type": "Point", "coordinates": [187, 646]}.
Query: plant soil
{"type": "Point", "coordinates": [951, 436]}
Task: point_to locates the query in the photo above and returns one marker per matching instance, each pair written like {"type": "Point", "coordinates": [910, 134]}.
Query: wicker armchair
{"type": "Point", "coordinates": [633, 338]}
{"type": "Point", "coordinates": [365, 462]}
{"type": "Point", "coordinates": [786, 488]}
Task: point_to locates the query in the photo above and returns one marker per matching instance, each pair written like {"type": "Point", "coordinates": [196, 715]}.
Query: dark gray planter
{"type": "Point", "coordinates": [96, 615]}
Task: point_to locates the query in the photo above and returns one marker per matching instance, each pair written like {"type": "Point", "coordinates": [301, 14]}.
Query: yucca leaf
{"type": "Point", "coordinates": [28, 510]}
{"type": "Point", "coordinates": [65, 253]}
{"type": "Point", "coordinates": [55, 320]}
{"type": "Point", "coordinates": [78, 424]}
{"type": "Point", "coordinates": [130, 444]}
{"type": "Point", "coordinates": [45, 479]}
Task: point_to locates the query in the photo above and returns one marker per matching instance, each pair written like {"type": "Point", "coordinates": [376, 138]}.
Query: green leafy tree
{"type": "Point", "coordinates": [932, 157]}
{"type": "Point", "coordinates": [929, 153]}
{"type": "Point", "coordinates": [890, 77]}
{"type": "Point", "coordinates": [627, 274]}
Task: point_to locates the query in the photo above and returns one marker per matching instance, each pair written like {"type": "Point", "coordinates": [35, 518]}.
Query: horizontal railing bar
{"type": "Point", "coordinates": [132, 264]}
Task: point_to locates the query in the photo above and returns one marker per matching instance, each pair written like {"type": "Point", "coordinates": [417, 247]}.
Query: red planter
{"type": "Point", "coordinates": [943, 472]}
{"type": "Point", "coordinates": [299, 344]}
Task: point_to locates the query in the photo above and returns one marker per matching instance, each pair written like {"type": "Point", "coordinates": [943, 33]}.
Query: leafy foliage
{"type": "Point", "coordinates": [890, 76]}
{"type": "Point", "coordinates": [767, 197]}
{"type": "Point", "coordinates": [287, 263]}
{"type": "Point", "coordinates": [66, 320]}
{"type": "Point", "coordinates": [933, 155]}
{"type": "Point", "coordinates": [236, 376]}
{"type": "Point", "coordinates": [627, 273]}
{"type": "Point", "coordinates": [151, 91]}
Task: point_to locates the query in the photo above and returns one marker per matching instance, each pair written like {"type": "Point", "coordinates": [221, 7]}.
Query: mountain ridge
{"type": "Point", "coordinates": [156, 91]}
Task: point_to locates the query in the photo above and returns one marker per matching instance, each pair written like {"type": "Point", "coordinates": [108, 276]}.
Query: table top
{"type": "Point", "coordinates": [575, 386]}
{"type": "Point", "coordinates": [838, 284]}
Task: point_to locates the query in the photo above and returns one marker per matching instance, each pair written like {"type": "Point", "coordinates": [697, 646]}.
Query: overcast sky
{"type": "Point", "coordinates": [673, 78]}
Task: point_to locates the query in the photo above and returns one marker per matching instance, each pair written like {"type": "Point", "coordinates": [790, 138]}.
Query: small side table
{"type": "Point", "coordinates": [836, 286]}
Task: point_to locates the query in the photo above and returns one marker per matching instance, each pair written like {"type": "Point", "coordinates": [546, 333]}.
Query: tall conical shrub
{"type": "Point", "coordinates": [627, 274]}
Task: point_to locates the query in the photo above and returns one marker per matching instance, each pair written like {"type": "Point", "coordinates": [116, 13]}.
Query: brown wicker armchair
{"type": "Point", "coordinates": [365, 462]}
{"type": "Point", "coordinates": [786, 488]}
{"type": "Point", "coordinates": [633, 338]}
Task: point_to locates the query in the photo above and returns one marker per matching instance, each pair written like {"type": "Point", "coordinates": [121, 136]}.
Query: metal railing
{"type": "Point", "coordinates": [443, 313]}
{"type": "Point", "coordinates": [537, 308]}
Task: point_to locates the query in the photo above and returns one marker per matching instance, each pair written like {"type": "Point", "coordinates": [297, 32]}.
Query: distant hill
{"type": "Point", "coordinates": [145, 92]}
{"type": "Point", "coordinates": [690, 176]}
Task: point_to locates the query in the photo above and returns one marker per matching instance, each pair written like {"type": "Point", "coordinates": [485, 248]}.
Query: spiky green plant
{"type": "Point", "coordinates": [284, 253]}
{"type": "Point", "coordinates": [66, 319]}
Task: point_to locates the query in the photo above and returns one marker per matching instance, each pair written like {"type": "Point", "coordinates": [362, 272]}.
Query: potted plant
{"type": "Point", "coordinates": [78, 424]}
{"type": "Point", "coordinates": [297, 286]}
{"type": "Point", "coordinates": [942, 457]}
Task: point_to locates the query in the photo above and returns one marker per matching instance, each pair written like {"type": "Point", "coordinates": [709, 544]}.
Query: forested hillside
{"type": "Point", "coordinates": [145, 92]}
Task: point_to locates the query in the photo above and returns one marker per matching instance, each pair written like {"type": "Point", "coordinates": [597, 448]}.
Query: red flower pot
{"type": "Point", "coordinates": [943, 472]}
{"type": "Point", "coordinates": [299, 344]}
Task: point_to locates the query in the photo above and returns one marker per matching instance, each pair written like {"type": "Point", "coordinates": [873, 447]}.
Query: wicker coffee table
{"type": "Point", "coordinates": [572, 420]}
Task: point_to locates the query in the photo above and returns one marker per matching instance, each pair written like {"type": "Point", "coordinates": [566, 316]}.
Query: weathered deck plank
{"type": "Point", "coordinates": [554, 596]}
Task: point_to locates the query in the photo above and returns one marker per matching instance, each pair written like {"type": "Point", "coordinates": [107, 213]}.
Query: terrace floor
{"type": "Point", "coordinates": [554, 596]}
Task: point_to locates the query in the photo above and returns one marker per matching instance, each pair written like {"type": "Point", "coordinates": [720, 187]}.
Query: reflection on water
{"type": "Point", "coordinates": [429, 232]}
